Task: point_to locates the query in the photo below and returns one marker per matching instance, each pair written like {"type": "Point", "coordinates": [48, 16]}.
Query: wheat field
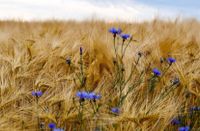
{"type": "Point", "coordinates": [33, 58]}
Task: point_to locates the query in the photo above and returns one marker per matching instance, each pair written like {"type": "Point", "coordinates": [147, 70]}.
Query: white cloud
{"type": "Point", "coordinates": [77, 9]}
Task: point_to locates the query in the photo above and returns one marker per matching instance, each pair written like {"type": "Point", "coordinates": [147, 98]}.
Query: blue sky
{"type": "Point", "coordinates": [186, 7]}
{"type": "Point", "coordinates": [109, 10]}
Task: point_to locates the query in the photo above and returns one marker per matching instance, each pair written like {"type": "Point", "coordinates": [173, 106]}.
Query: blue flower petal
{"type": "Point", "coordinates": [78, 94]}
{"type": "Point", "coordinates": [58, 129]}
{"type": "Point", "coordinates": [156, 72]}
{"type": "Point", "coordinates": [52, 125]}
{"type": "Point", "coordinates": [171, 60]}
{"type": "Point", "coordinates": [91, 95]}
{"type": "Point", "coordinates": [125, 36]}
{"type": "Point", "coordinates": [115, 31]}
{"type": "Point", "coordinates": [39, 93]}
{"type": "Point", "coordinates": [98, 96]}
{"type": "Point", "coordinates": [115, 110]}
{"type": "Point", "coordinates": [186, 128]}
{"type": "Point", "coordinates": [175, 122]}
{"type": "Point", "coordinates": [85, 95]}
{"type": "Point", "coordinates": [33, 93]}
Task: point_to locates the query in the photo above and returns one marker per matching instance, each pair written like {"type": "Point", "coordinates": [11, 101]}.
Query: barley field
{"type": "Point", "coordinates": [84, 76]}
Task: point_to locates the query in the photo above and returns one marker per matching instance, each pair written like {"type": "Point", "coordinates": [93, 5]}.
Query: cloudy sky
{"type": "Point", "coordinates": [110, 10]}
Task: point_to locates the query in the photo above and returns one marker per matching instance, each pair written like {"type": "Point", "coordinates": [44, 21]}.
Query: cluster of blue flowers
{"type": "Point", "coordinates": [83, 95]}
{"type": "Point", "coordinates": [52, 126]}
{"type": "Point", "coordinates": [118, 31]}
{"type": "Point", "coordinates": [88, 95]}
{"type": "Point", "coordinates": [157, 72]}
{"type": "Point", "coordinates": [37, 93]}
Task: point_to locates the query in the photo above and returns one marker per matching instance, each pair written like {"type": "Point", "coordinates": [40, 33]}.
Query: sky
{"type": "Point", "coordinates": [109, 10]}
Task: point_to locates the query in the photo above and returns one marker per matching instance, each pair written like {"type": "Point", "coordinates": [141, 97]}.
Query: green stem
{"type": "Point", "coordinates": [164, 72]}
{"type": "Point", "coordinates": [132, 71]}
{"type": "Point", "coordinates": [130, 88]}
{"type": "Point", "coordinates": [126, 47]}
{"type": "Point", "coordinates": [38, 119]}
{"type": "Point", "coordinates": [80, 115]}
{"type": "Point", "coordinates": [163, 95]}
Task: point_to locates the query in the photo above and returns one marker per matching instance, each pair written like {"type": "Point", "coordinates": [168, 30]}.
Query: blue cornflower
{"type": "Point", "coordinates": [68, 61]}
{"type": "Point", "coordinates": [115, 31]}
{"type": "Point", "coordinates": [125, 36]}
{"type": "Point", "coordinates": [52, 125]}
{"type": "Point", "coordinates": [94, 96]}
{"type": "Point", "coordinates": [82, 95]}
{"type": "Point", "coordinates": [171, 60]}
{"type": "Point", "coordinates": [156, 72]}
{"type": "Point", "coordinates": [115, 110]}
{"type": "Point", "coordinates": [37, 93]}
{"type": "Point", "coordinates": [175, 122]}
{"type": "Point", "coordinates": [184, 128]}
{"type": "Point", "coordinates": [58, 129]}
{"type": "Point", "coordinates": [90, 96]}
{"type": "Point", "coordinates": [187, 128]}
{"type": "Point", "coordinates": [34, 93]}
{"type": "Point", "coordinates": [98, 96]}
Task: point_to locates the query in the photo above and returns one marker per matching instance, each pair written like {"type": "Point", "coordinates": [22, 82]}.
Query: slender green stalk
{"type": "Point", "coordinates": [163, 95]}
{"type": "Point", "coordinates": [126, 47]}
{"type": "Point", "coordinates": [82, 77]}
{"type": "Point", "coordinates": [38, 119]}
{"type": "Point", "coordinates": [80, 115]}
{"type": "Point", "coordinates": [133, 68]}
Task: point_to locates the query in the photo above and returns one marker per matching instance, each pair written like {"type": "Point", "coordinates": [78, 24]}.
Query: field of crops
{"type": "Point", "coordinates": [97, 76]}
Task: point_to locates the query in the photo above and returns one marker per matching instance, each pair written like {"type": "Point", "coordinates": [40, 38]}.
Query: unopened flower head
{"type": "Point", "coordinates": [175, 122]}
{"type": "Point", "coordinates": [81, 50]}
{"type": "Point", "coordinates": [139, 54]}
{"type": "Point", "coordinates": [175, 81]}
{"type": "Point", "coordinates": [68, 61]}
